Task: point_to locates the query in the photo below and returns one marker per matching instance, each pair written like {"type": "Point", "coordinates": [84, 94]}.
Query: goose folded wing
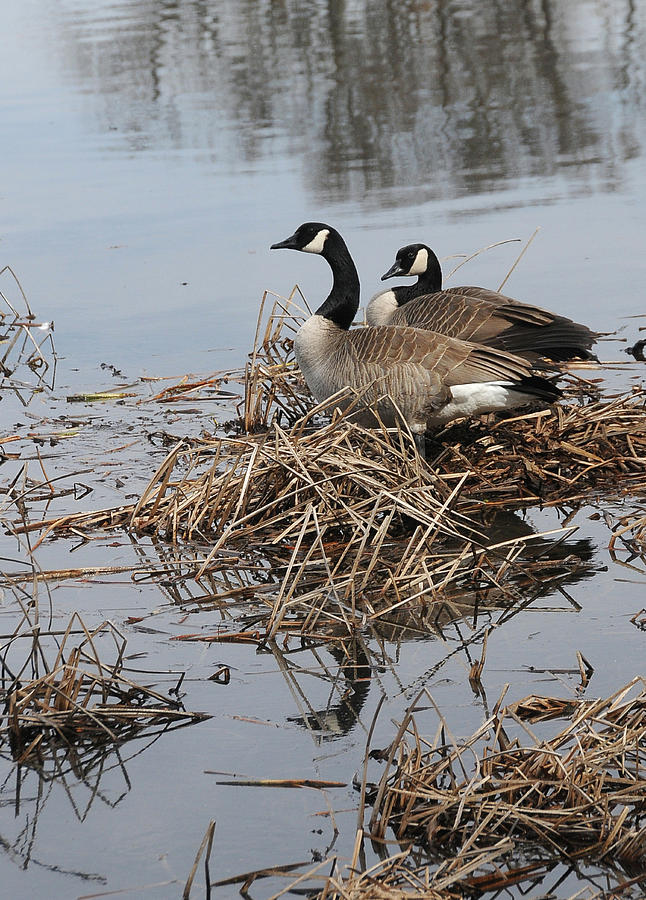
{"type": "Point", "coordinates": [448, 314]}
{"type": "Point", "coordinates": [385, 349]}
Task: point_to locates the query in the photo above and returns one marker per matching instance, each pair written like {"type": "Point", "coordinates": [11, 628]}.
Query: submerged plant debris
{"type": "Point", "coordinates": [78, 699]}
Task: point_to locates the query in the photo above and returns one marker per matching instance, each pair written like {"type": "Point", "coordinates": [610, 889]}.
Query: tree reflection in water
{"type": "Point", "coordinates": [380, 102]}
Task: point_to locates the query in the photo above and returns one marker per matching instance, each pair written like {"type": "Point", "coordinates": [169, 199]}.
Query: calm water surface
{"type": "Point", "coordinates": [152, 151]}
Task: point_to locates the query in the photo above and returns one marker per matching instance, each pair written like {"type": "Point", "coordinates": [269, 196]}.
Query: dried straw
{"type": "Point", "coordinates": [578, 794]}
{"type": "Point", "coordinates": [81, 700]}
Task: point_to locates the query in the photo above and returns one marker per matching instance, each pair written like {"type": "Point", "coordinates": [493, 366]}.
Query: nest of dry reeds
{"type": "Point", "coordinates": [344, 524]}
{"type": "Point", "coordinates": [578, 794]}
{"type": "Point", "coordinates": [347, 524]}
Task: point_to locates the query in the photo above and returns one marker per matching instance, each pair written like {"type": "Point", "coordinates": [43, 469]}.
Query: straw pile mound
{"type": "Point", "coordinates": [80, 701]}
{"type": "Point", "coordinates": [581, 793]}
{"type": "Point", "coordinates": [558, 455]}
{"type": "Point", "coordinates": [338, 519]}
{"type": "Point", "coordinates": [260, 486]}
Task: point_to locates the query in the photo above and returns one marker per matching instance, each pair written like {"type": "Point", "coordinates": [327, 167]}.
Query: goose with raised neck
{"type": "Point", "coordinates": [427, 378]}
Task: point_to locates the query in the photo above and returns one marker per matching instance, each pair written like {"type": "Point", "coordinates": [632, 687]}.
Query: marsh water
{"type": "Point", "coordinates": [151, 153]}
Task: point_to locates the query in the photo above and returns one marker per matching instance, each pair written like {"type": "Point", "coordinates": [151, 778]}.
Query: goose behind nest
{"type": "Point", "coordinates": [430, 377]}
{"type": "Point", "coordinates": [474, 313]}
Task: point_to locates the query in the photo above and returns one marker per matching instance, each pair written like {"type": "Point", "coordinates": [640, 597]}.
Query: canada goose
{"type": "Point", "coordinates": [430, 377]}
{"type": "Point", "coordinates": [474, 313]}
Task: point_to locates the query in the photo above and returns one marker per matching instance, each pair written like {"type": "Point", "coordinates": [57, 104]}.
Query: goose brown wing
{"type": "Point", "coordinates": [468, 318]}
{"type": "Point", "coordinates": [449, 314]}
{"type": "Point", "coordinates": [401, 362]}
{"type": "Point", "coordinates": [425, 355]}
{"type": "Point", "coordinates": [468, 363]}
{"type": "Point", "coordinates": [505, 324]}
{"type": "Point", "coordinates": [524, 329]}
{"type": "Point", "coordinates": [480, 293]}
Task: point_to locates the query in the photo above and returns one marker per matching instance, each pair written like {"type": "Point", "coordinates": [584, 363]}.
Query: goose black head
{"type": "Point", "coordinates": [310, 237]}
{"type": "Point", "coordinates": [411, 260]}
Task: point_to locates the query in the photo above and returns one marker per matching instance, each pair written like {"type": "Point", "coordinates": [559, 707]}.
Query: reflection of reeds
{"type": "Point", "coordinates": [578, 794]}
{"type": "Point", "coordinates": [81, 700]}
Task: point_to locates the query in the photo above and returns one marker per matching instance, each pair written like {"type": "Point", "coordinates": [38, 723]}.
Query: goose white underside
{"type": "Point", "coordinates": [479, 398]}
{"type": "Point", "coordinates": [381, 308]}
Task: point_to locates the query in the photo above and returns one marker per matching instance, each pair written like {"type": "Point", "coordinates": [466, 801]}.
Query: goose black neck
{"type": "Point", "coordinates": [342, 302]}
{"type": "Point", "coordinates": [404, 293]}
{"type": "Point", "coordinates": [431, 280]}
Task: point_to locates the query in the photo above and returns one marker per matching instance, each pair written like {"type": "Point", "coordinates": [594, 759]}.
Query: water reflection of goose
{"type": "Point", "coordinates": [545, 565]}
{"type": "Point", "coordinates": [474, 313]}
{"type": "Point", "coordinates": [431, 378]}
{"type": "Point", "coordinates": [339, 717]}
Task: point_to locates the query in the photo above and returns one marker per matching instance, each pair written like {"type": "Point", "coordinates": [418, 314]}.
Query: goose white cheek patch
{"type": "Point", "coordinates": [420, 264]}
{"type": "Point", "coordinates": [317, 243]}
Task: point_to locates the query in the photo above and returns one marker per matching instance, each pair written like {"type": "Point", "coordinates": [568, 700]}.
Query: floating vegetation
{"type": "Point", "coordinates": [80, 701]}
{"type": "Point", "coordinates": [579, 794]}
{"type": "Point", "coordinates": [402, 877]}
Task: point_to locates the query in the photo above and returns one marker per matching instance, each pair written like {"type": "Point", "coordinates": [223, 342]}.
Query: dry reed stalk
{"type": "Point", "coordinates": [27, 344]}
{"type": "Point", "coordinates": [578, 794]}
{"type": "Point", "coordinates": [274, 388]}
{"type": "Point", "coordinates": [81, 700]}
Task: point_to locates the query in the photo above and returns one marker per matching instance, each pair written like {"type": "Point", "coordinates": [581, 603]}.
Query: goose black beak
{"type": "Point", "coordinates": [395, 269]}
{"type": "Point", "coordinates": [289, 243]}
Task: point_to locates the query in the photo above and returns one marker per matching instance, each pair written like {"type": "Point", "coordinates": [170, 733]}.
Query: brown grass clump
{"type": "Point", "coordinates": [80, 701]}
{"type": "Point", "coordinates": [578, 794]}
{"type": "Point", "coordinates": [555, 455]}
